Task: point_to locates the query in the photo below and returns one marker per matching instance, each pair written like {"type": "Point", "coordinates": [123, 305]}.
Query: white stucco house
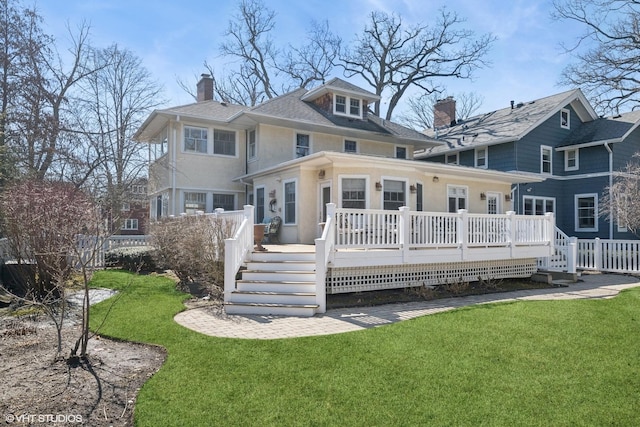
{"type": "Point", "coordinates": [313, 153]}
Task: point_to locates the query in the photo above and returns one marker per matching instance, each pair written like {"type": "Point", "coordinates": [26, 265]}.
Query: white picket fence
{"type": "Point", "coordinates": [92, 249]}
{"type": "Point", "coordinates": [616, 256]}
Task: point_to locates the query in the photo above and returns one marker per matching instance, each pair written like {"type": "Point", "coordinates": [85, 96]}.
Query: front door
{"type": "Point", "coordinates": [493, 203]}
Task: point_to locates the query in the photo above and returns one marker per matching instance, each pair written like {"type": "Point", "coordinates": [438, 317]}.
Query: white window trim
{"type": "Point", "coordinates": [347, 112]}
{"type": "Point", "coordinates": [395, 151]}
{"type": "Point", "coordinates": [568, 125]}
{"type": "Point", "coordinates": [132, 221]}
{"type": "Point", "coordinates": [284, 202]}
{"type": "Point", "coordinates": [455, 155]}
{"type": "Point", "coordinates": [542, 149]}
{"type": "Point", "coordinates": [195, 152]}
{"type": "Point", "coordinates": [466, 197]}
{"type": "Point", "coordinates": [416, 197]}
{"type": "Point", "coordinates": [228, 156]}
{"type": "Point", "coordinates": [344, 141]}
{"type": "Point", "coordinates": [486, 157]}
{"type": "Point", "coordinates": [566, 160]}
{"type": "Point", "coordinates": [225, 193]}
{"type": "Point", "coordinates": [533, 202]}
{"type": "Point", "coordinates": [407, 193]}
{"type": "Point", "coordinates": [367, 191]}
{"type": "Point", "coordinates": [595, 211]}
{"type": "Point", "coordinates": [295, 143]}
{"type": "Point", "coordinates": [255, 155]}
{"type": "Point", "coordinates": [499, 198]}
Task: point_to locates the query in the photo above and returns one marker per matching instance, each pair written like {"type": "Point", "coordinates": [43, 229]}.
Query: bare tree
{"type": "Point", "coordinates": [111, 105]}
{"type": "Point", "coordinates": [420, 108]}
{"type": "Point", "coordinates": [263, 70]}
{"type": "Point", "coordinates": [314, 61]}
{"type": "Point", "coordinates": [21, 37]}
{"type": "Point", "coordinates": [248, 39]}
{"type": "Point", "coordinates": [620, 202]}
{"type": "Point", "coordinates": [392, 57]}
{"type": "Point", "coordinates": [607, 53]}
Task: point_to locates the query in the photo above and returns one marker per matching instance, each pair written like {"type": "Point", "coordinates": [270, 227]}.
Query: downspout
{"type": "Point", "coordinates": [246, 165]}
{"type": "Point", "coordinates": [606, 145]}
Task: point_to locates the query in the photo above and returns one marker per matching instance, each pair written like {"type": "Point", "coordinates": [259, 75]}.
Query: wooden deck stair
{"type": "Point", "coordinates": [276, 283]}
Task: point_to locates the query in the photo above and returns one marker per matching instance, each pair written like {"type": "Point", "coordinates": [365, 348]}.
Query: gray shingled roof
{"type": "Point", "coordinates": [290, 106]}
{"type": "Point", "coordinates": [603, 129]}
{"type": "Point", "coordinates": [210, 110]}
{"type": "Point", "coordinates": [500, 125]}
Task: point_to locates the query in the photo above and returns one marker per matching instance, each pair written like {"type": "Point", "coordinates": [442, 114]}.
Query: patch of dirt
{"type": "Point", "coordinates": [36, 389]}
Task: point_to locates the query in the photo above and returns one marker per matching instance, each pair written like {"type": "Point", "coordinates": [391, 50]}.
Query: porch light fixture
{"type": "Point", "coordinates": [436, 179]}
{"type": "Point", "coordinates": [483, 196]}
{"type": "Point", "coordinates": [378, 186]}
{"type": "Point", "coordinates": [412, 188]}
{"type": "Point", "coordinates": [507, 197]}
{"type": "Point", "coordinates": [321, 173]}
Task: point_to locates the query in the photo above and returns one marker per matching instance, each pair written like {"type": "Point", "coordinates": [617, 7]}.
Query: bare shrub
{"type": "Point", "coordinates": [42, 222]}
{"type": "Point", "coordinates": [456, 287]}
{"type": "Point", "coordinates": [193, 248]}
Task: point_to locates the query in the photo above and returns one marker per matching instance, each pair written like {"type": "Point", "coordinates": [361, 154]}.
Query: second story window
{"type": "Point", "coordinates": [350, 146]}
{"type": "Point", "coordinates": [195, 139]}
{"type": "Point", "coordinates": [252, 144]}
{"type": "Point", "coordinates": [224, 142]}
{"type": "Point", "coordinates": [546, 160]}
{"type": "Point", "coordinates": [451, 159]}
{"type": "Point", "coordinates": [401, 152]}
{"type": "Point", "coordinates": [481, 158]}
{"type": "Point", "coordinates": [571, 160]}
{"type": "Point", "coordinates": [303, 146]}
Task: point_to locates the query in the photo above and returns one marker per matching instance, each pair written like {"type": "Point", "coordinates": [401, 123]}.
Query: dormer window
{"type": "Point", "coordinates": [347, 106]}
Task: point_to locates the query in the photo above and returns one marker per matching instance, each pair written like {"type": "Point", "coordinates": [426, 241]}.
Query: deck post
{"type": "Point", "coordinates": [511, 227]}
{"type": "Point", "coordinates": [404, 229]}
{"type": "Point", "coordinates": [597, 254]}
{"type": "Point", "coordinates": [550, 231]}
{"type": "Point", "coordinates": [572, 255]}
{"type": "Point", "coordinates": [463, 232]}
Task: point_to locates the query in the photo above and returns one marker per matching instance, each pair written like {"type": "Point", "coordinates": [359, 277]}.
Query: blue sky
{"type": "Point", "coordinates": [174, 38]}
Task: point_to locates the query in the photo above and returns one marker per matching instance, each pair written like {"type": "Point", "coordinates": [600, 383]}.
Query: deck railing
{"type": "Point", "coordinates": [324, 249]}
{"type": "Point", "coordinates": [371, 229]}
{"type": "Point", "coordinates": [237, 248]}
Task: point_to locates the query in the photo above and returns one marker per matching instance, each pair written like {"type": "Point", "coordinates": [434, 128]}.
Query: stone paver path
{"type": "Point", "coordinates": [215, 322]}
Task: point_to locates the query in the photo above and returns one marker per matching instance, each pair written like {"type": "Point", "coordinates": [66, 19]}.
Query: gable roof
{"type": "Point", "coordinates": [507, 124]}
{"type": "Point", "coordinates": [602, 130]}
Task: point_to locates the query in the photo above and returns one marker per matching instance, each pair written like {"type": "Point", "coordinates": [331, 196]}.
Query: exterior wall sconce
{"type": "Point", "coordinates": [507, 197]}
{"type": "Point", "coordinates": [412, 188]}
{"type": "Point", "coordinates": [483, 196]}
{"type": "Point", "coordinates": [321, 173]}
{"type": "Point", "coordinates": [435, 179]}
{"type": "Point", "coordinates": [378, 186]}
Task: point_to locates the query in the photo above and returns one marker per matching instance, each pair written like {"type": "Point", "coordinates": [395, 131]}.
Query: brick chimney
{"type": "Point", "coordinates": [444, 112]}
{"type": "Point", "coordinates": [205, 88]}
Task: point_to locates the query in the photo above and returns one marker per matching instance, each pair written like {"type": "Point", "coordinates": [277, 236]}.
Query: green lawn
{"type": "Point", "coordinates": [524, 363]}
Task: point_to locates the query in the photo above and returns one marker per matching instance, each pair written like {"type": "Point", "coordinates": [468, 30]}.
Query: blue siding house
{"type": "Point", "coordinates": [559, 138]}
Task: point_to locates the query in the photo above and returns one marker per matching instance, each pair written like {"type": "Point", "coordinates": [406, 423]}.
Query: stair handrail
{"type": "Point", "coordinates": [324, 248]}
{"type": "Point", "coordinates": [236, 249]}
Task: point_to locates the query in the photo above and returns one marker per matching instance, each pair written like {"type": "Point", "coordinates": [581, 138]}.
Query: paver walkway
{"type": "Point", "coordinates": [215, 322]}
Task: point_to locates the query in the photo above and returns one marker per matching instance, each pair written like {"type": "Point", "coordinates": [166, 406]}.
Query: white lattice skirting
{"type": "Point", "coordinates": [357, 279]}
